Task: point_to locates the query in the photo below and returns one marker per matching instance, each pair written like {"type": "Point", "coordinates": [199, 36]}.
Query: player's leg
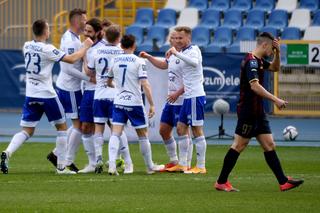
{"type": "Point", "coordinates": [125, 153]}
{"type": "Point", "coordinates": [114, 144]}
{"type": "Point", "coordinates": [190, 150]}
{"type": "Point", "coordinates": [98, 145]}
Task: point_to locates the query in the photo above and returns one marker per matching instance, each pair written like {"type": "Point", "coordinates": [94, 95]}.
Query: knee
{"type": "Point", "coordinates": [239, 147]}
{"type": "Point", "coordinates": [165, 134]}
{"type": "Point", "coordinates": [86, 129]}
{"type": "Point", "coordinates": [269, 146]}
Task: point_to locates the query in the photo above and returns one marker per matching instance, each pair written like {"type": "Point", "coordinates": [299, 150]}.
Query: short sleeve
{"type": "Point", "coordinates": [54, 54]}
{"type": "Point", "coordinates": [91, 60]}
{"type": "Point", "coordinates": [142, 69]}
{"type": "Point", "coordinates": [252, 70]}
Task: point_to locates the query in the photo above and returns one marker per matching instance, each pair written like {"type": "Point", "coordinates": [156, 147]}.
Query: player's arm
{"type": "Point", "coordinates": [193, 61]}
{"type": "Point", "coordinates": [147, 91]}
{"type": "Point", "coordinates": [175, 95]}
{"type": "Point", "coordinates": [157, 62]}
{"type": "Point", "coordinates": [79, 54]}
{"type": "Point", "coordinates": [275, 64]}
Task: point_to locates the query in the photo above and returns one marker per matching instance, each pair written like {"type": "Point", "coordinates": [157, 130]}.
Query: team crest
{"type": "Point", "coordinates": [70, 51]}
{"type": "Point", "coordinates": [55, 51]}
{"type": "Point", "coordinates": [178, 61]}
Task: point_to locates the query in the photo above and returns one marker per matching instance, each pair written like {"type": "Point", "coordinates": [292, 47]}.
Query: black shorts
{"type": "Point", "coordinates": [249, 127]}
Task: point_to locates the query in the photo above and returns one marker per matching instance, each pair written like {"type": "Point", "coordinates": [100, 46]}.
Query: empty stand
{"type": "Point", "coordinates": [264, 5]}
{"type": "Point", "coordinates": [156, 37]}
{"type": "Point", "coordinates": [272, 30]}
{"type": "Point", "coordinates": [312, 33]}
{"type": "Point", "coordinates": [278, 19]}
{"type": "Point", "coordinates": [316, 19]}
{"type": "Point", "coordinates": [221, 5]}
{"type": "Point", "coordinates": [210, 19]}
{"type": "Point", "coordinates": [137, 32]}
{"type": "Point", "coordinates": [291, 33]}
{"type": "Point", "coordinates": [177, 5]}
{"type": "Point", "coordinates": [242, 5]}
{"type": "Point", "coordinates": [221, 40]}
{"type": "Point", "coordinates": [232, 19]}
{"type": "Point", "coordinates": [144, 18]}
{"type": "Point", "coordinates": [243, 34]}
{"type": "Point", "coordinates": [288, 5]}
{"type": "Point", "coordinates": [300, 18]}
{"type": "Point", "coordinates": [166, 18]}
{"type": "Point", "coordinates": [311, 5]}
{"type": "Point", "coordinates": [201, 36]}
{"type": "Point", "coordinates": [188, 17]}
{"type": "Point", "coordinates": [255, 19]}
{"type": "Point", "coordinates": [199, 4]}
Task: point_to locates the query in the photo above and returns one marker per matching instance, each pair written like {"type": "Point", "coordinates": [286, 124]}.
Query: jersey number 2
{"type": "Point", "coordinates": [35, 57]}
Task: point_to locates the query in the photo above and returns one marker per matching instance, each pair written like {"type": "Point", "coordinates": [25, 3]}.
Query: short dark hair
{"type": "Point", "coordinates": [264, 36]}
{"type": "Point", "coordinates": [95, 23]}
{"type": "Point", "coordinates": [39, 26]}
{"type": "Point", "coordinates": [112, 33]}
{"type": "Point", "coordinates": [106, 23]}
{"type": "Point", "coordinates": [76, 12]}
{"type": "Point", "coordinates": [128, 41]}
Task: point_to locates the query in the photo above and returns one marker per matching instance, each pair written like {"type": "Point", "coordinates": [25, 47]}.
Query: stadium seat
{"type": "Point", "coordinates": [264, 5]}
{"type": "Point", "coordinates": [300, 18]}
{"type": "Point", "coordinates": [222, 39]}
{"type": "Point", "coordinates": [272, 30]}
{"type": "Point", "coordinates": [232, 19]}
{"type": "Point", "coordinates": [137, 32]}
{"type": "Point", "coordinates": [243, 34]}
{"type": "Point", "coordinates": [188, 17]}
{"type": "Point", "coordinates": [242, 5]}
{"type": "Point", "coordinates": [291, 33]}
{"type": "Point", "coordinates": [278, 19]}
{"type": "Point", "coordinates": [255, 19]}
{"type": "Point", "coordinates": [201, 36]}
{"type": "Point", "coordinates": [144, 18]}
{"type": "Point", "coordinates": [166, 18]}
{"type": "Point", "coordinates": [312, 5]}
{"type": "Point", "coordinates": [312, 33]}
{"type": "Point", "coordinates": [177, 5]}
{"type": "Point", "coordinates": [156, 37]}
{"type": "Point", "coordinates": [288, 5]}
{"type": "Point", "coordinates": [210, 19]}
{"type": "Point", "coordinates": [316, 19]}
{"type": "Point", "coordinates": [221, 5]}
{"type": "Point", "coordinates": [201, 5]}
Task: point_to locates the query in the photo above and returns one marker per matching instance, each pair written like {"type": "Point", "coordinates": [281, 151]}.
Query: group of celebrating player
{"type": "Point", "coordinates": [100, 83]}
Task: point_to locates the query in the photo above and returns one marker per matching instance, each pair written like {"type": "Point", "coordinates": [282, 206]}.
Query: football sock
{"type": "Point", "coordinates": [124, 149]}
{"type": "Point", "coordinates": [98, 144]}
{"type": "Point", "coordinates": [61, 146]}
{"type": "Point", "coordinates": [171, 147]}
{"type": "Point", "coordinates": [229, 162]}
{"type": "Point", "coordinates": [145, 149]}
{"type": "Point", "coordinates": [275, 165]}
{"type": "Point", "coordinates": [201, 147]}
{"type": "Point", "coordinates": [183, 149]}
{"type": "Point", "coordinates": [74, 141]}
{"type": "Point", "coordinates": [88, 145]}
{"type": "Point", "coordinates": [17, 140]}
{"type": "Point", "coordinates": [113, 149]}
{"type": "Point", "coordinates": [190, 152]}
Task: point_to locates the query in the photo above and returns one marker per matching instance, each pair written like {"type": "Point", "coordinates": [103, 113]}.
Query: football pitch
{"type": "Point", "coordinates": [33, 186]}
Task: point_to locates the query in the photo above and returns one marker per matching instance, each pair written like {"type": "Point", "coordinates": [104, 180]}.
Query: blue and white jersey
{"type": "Point", "coordinates": [100, 62]}
{"type": "Point", "coordinates": [127, 70]}
{"type": "Point", "coordinates": [192, 76]}
{"type": "Point", "coordinates": [70, 43]}
{"type": "Point", "coordinates": [175, 77]}
{"type": "Point", "coordinates": [39, 60]}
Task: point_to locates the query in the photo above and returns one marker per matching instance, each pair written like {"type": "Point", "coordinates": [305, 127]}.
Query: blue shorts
{"type": "Point", "coordinates": [33, 108]}
{"type": "Point", "coordinates": [102, 110]}
{"type": "Point", "coordinates": [192, 111]}
{"type": "Point", "coordinates": [70, 101]}
{"type": "Point", "coordinates": [135, 114]}
{"type": "Point", "coordinates": [170, 114]}
{"type": "Point", "coordinates": [86, 107]}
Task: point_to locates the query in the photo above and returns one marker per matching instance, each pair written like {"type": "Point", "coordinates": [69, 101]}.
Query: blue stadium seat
{"type": "Point", "coordinates": [312, 5]}
{"type": "Point", "coordinates": [199, 4]}
{"type": "Point", "coordinates": [242, 5]}
{"type": "Point", "coordinates": [221, 5]}
{"type": "Point", "coordinates": [232, 19]}
{"type": "Point", "coordinates": [291, 33]}
{"type": "Point", "coordinates": [221, 40]}
{"type": "Point", "coordinates": [137, 32]}
{"type": "Point", "coordinates": [144, 18]}
{"type": "Point", "coordinates": [210, 19]}
{"type": "Point", "coordinates": [264, 5]}
{"type": "Point", "coordinates": [272, 30]}
{"type": "Point", "coordinates": [156, 37]}
{"type": "Point", "coordinates": [278, 19]}
{"type": "Point", "coordinates": [255, 19]}
{"type": "Point", "coordinates": [316, 19]}
{"type": "Point", "coordinates": [166, 18]}
{"type": "Point", "coordinates": [201, 36]}
{"type": "Point", "coordinates": [243, 34]}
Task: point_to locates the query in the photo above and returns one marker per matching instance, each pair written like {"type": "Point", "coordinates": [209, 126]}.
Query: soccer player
{"type": "Point", "coordinates": [69, 84]}
{"type": "Point", "coordinates": [129, 73]}
{"type": "Point", "coordinates": [40, 95]}
{"type": "Point", "coordinates": [171, 110]}
{"type": "Point", "coordinates": [252, 120]}
{"type": "Point", "coordinates": [192, 110]}
{"type": "Point", "coordinates": [104, 96]}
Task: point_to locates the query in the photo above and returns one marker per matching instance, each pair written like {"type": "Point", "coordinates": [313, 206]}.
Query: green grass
{"type": "Point", "coordinates": [32, 185]}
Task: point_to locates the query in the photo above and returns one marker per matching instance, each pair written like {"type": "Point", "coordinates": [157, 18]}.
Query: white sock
{"type": "Point", "coordinates": [74, 141]}
{"type": "Point", "coordinates": [190, 152]}
{"type": "Point", "coordinates": [68, 135]}
{"type": "Point", "coordinates": [17, 140]}
{"type": "Point", "coordinates": [61, 146]}
{"type": "Point", "coordinates": [88, 145]}
{"type": "Point", "coordinates": [98, 144]}
{"type": "Point", "coordinates": [171, 147]}
{"type": "Point", "coordinates": [113, 148]}
{"type": "Point", "coordinates": [145, 149]}
{"type": "Point", "coordinates": [201, 146]}
{"type": "Point", "coordinates": [124, 149]}
{"type": "Point", "coordinates": [183, 149]}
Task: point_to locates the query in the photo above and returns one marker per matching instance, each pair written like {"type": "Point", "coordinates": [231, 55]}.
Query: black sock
{"type": "Point", "coordinates": [275, 165]}
{"type": "Point", "coordinates": [229, 162]}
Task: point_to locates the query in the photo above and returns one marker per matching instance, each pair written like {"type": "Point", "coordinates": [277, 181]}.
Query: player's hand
{"type": "Point", "coordinates": [281, 104]}
{"type": "Point", "coordinates": [276, 44]}
{"type": "Point", "coordinates": [151, 112]}
{"type": "Point", "coordinates": [143, 54]}
{"type": "Point", "coordinates": [87, 43]}
{"type": "Point", "coordinates": [172, 97]}
{"type": "Point", "coordinates": [93, 79]}
{"type": "Point", "coordinates": [171, 51]}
